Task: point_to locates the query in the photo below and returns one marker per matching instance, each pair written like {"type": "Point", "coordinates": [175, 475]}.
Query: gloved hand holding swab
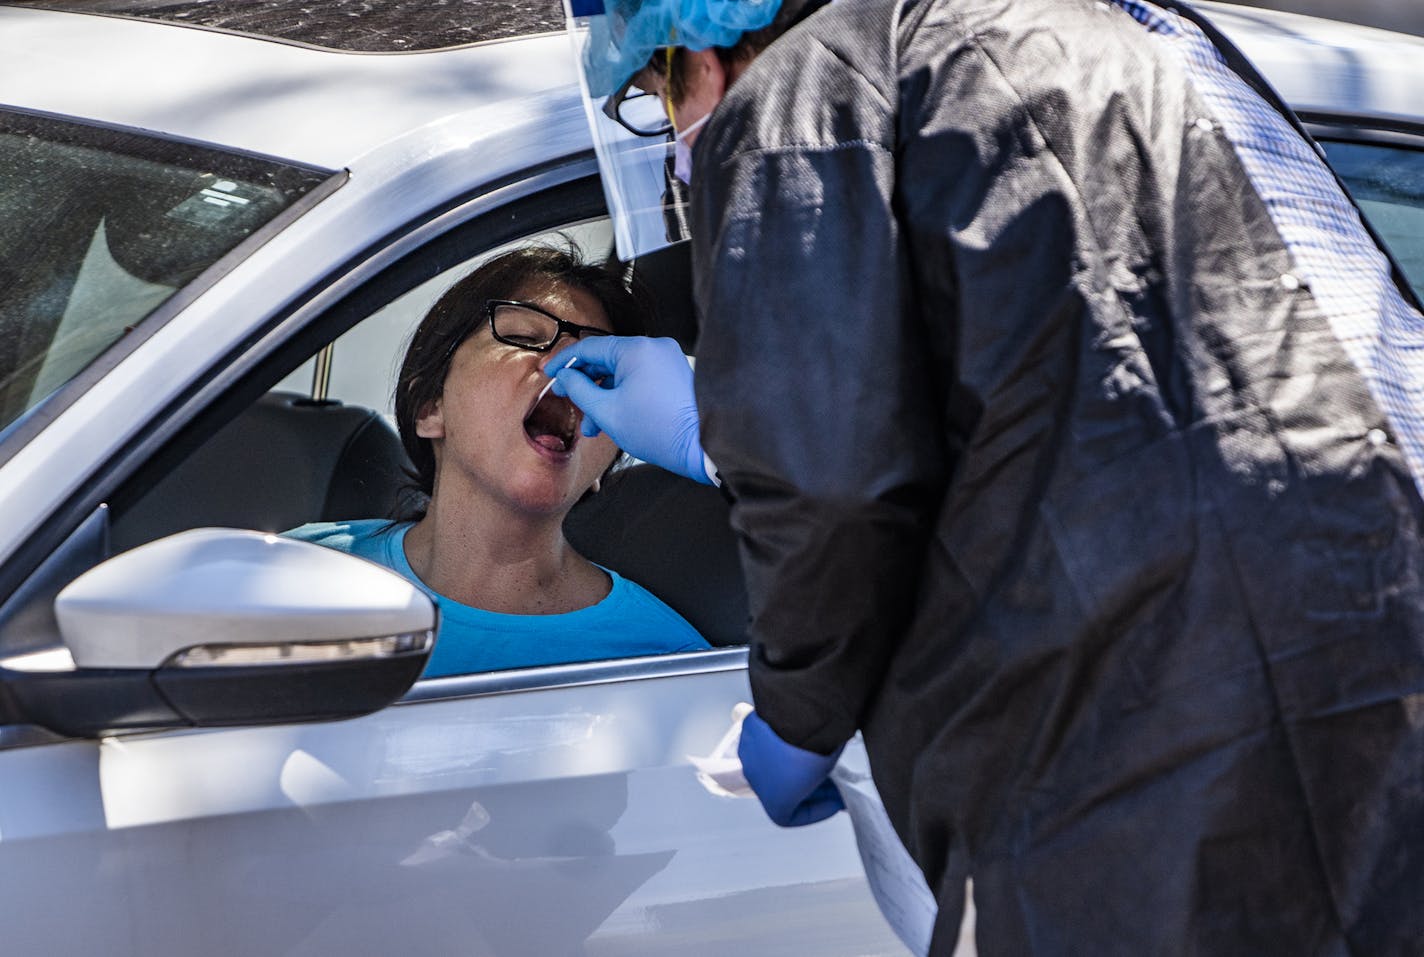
{"type": "Point", "coordinates": [550, 384]}
{"type": "Point", "coordinates": [640, 392]}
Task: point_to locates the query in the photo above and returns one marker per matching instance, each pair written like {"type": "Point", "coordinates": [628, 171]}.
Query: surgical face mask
{"type": "Point", "coordinates": [682, 151]}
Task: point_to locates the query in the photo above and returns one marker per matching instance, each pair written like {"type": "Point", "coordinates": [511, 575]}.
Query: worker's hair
{"type": "Point", "coordinates": [748, 46]}
{"type": "Point", "coordinates": [460, 313]}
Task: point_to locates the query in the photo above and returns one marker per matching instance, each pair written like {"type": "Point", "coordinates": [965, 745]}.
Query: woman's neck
{"type": "Point", "coordinates": [502, 561]}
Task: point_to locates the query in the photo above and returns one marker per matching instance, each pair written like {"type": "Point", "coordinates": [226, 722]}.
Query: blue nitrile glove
{"type": "Point", "coordinates": [639, 391]}
{"type": "Point", "coordinates": [793, 784]}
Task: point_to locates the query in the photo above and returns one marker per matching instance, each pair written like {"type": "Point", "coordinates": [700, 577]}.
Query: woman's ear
{"type": "Point", "coordinates": [430, 424]}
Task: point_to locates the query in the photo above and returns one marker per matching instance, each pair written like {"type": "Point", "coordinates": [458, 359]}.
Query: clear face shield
{"type": "Point", "coordinates": [632, 137]}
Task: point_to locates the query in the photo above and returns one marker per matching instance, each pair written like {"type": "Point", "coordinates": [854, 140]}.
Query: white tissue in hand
{"type": "Point", "coordinates": [721, 771]}
{"type": "Point", "coordinates": [895, 879]}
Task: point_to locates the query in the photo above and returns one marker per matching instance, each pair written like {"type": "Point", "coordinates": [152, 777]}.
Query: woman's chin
{"type": "Point", "coordinates": [552, 499]}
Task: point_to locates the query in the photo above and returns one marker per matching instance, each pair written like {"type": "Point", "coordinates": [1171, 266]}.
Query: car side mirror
{"type": "Point", "coordinates": [216, 627]}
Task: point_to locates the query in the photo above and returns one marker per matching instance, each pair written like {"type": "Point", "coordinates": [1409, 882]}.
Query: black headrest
{"type": "Point", "coordinates": [667, 275]}
{"type": "Point", "coordinates": [284, 461]}
{"type": "Point", "coordinates": [673, 537]}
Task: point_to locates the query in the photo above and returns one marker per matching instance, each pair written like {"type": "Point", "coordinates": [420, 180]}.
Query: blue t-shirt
{"type": "Point", "coordinates": [630, 621]}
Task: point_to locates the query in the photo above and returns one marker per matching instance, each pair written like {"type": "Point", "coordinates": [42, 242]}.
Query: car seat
{"type": "Point", "coordinates": [284, 461]}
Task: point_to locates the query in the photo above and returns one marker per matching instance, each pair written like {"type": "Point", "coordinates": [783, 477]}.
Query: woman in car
{"type": "Point", "coordinates": [500, 466]}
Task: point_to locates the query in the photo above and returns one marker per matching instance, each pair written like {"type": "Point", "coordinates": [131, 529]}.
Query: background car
{"type": "Point", "coordinates": [1388, 14]}
{"type": "Point", "coordinates": [212, 246]}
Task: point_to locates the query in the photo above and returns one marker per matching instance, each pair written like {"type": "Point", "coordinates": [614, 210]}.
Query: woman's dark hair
{"type": "Point", "coordinates": [458, 313]}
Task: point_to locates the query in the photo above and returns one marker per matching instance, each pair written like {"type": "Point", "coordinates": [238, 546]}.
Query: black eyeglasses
{"type": "Point", "coordinates": [526, 326]}
{"type": "Point", "coordinates": [638, 111]}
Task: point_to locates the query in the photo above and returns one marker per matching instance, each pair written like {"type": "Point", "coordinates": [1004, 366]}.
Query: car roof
{"type": "Point", "coordinates": [1324, 66]}
{"type": "Point", "coordinates": [327, 108]}
{"type": "Point", "coordinates": [299, 103]}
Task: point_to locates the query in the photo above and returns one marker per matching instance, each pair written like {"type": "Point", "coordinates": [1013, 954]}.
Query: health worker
{"type": "Point", "coordinates": [1072, 420]}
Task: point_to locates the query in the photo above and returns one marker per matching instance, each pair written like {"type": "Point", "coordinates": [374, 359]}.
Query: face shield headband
{"type": "Point", "coordinates": [613, 40]}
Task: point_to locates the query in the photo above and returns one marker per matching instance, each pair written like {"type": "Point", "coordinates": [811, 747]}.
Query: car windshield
{"type": "Point", "coordinates": [100, 227]}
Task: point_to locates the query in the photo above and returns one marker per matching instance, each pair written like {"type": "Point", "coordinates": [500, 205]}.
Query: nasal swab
{"type": "Point", "coordinates": [545, 391]}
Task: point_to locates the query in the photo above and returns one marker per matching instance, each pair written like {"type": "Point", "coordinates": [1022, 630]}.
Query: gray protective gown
{"type": "Point", "coordinates": [1049, 483]}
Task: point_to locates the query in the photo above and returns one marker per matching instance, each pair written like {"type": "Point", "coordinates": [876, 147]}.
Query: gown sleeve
{"type": "Point", "coordinates": [818, 400]}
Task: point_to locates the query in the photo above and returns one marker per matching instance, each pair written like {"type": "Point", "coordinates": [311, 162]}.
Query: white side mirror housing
{"type": "Point", "coordinates": [212, 596]}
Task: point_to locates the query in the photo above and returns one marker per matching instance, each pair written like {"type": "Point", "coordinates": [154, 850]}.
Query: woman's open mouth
{"type": "Point", "coordinates": [553, 425]}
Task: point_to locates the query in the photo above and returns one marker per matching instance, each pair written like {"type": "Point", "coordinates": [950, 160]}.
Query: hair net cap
{"type": "Point", "coordinates": [621, 41]}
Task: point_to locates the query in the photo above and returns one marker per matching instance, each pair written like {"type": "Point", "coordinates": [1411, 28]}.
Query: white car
{"type": "Point", "coordinates": [211, 247]}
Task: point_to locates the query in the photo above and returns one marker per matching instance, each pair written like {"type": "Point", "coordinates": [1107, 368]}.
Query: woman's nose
{"type": "Point", "coordinates": [551, 361]}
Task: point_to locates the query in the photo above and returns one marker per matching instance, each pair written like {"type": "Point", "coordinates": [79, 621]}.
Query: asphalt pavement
{"type": "Point", "coordinates": [389, 26]}
{"type": "Point", "coordinates": [368, 26]}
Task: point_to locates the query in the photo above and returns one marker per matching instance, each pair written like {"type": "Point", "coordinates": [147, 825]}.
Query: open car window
{"type": "Point", "coordinates": [320, 445]}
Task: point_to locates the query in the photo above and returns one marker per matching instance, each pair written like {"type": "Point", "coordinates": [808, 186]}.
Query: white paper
{"type": "Point", "coordinates": [896, 881]}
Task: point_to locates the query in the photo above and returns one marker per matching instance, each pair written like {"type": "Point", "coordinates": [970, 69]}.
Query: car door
{"type": "Point", "coordinates": [560, 817]}
{"type": "Point", "coordinates": [529, 813]}
{"type": "Point", "coordinates": [543, 811]}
